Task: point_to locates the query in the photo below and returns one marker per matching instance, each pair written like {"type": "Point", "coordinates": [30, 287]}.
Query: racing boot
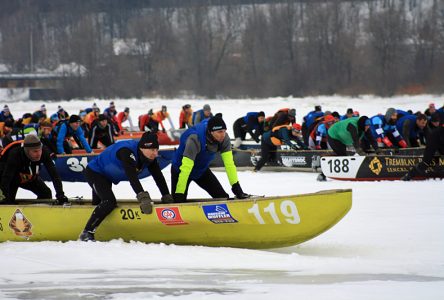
{"type": "Point", "coordinates": [87, 236]}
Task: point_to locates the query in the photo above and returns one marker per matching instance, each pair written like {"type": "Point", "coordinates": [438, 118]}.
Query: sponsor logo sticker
{"type": "Point", "coordinates": [20, 225]}
{"type": "Point", "coordinates": [375, 166]}
{"type": "Point", "coordinates": [170, 216]}
{"type": "Point", "coordinates": [218, 214]}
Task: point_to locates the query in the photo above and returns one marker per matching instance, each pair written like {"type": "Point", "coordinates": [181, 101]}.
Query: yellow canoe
{"type": "Point", "coordinates": [263, 222]}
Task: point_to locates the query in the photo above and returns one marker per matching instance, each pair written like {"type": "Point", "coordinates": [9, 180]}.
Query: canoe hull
{"type": "Point", "coordinates": [381, 167]}
{"type": "Point", "coordinates": [260, 223]}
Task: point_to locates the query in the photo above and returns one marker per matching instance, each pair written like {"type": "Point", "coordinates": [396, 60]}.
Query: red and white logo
{"type": "Point", "coordinates": [169, 216]}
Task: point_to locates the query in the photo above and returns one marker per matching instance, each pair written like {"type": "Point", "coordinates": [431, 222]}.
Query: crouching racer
{"type": "Point", "coordinates": [123, 161]}
{"type": "Point", "coordinates": [19, 168]}
{"type": "Point", "coordinates": [198, 146]}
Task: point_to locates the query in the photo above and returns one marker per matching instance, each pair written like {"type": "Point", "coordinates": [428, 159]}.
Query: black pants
{"type": "Point", "coordinates": [103, 197]}
{"type": "Point", "coordinates": [338, 147]}
{"type": "Point", "coordinates": [208, 181]}
{"type": "Point", "coordinates": [266, 153]}
{"type": "Point", "coordinates": [153, 126]}
{"type": "Point", "coordinates": [37, 186]}
{"type": "Point", "coordinates": [105, 140]}
{"type": "Point", "coordinates": [238, 129]}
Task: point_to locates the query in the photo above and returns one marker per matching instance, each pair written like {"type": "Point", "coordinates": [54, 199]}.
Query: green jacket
{"type": "Point", "coordinates": [339, 131]}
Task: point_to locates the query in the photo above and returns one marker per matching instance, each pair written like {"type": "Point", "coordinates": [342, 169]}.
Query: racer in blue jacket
{"type": "Point", "coordinates": [197, 148]}
{"type": "Point", "coordinates": [252, 123]}
{"type": "Point", "coordinates": [411, 127]}
{"type": "Point", "coordinates": [68, 129]}
{"type": "Point", "coordinates": [384, 131]}
{"type": "Point", "coordinates": [126, 160]}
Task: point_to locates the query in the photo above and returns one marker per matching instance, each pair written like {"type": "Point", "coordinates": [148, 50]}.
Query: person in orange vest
{"type": "Point", "coordinates": [146, 122]}
{"type": "Point", "coordinates": [290, 135]}
{"type": "Point", "coordinates": [122, 117]}
{"type": "Point", "coordinates": [6, 127]}
{"type": "Point", "coordinates": [161, 115]}
{"type": "Point", "coordinates": [284, 116]}
{"type": "Point", "coordinates": [186, 117]}
{"type": "Point", "coordinates": [91, 116]}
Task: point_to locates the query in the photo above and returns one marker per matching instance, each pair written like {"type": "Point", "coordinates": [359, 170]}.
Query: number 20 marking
{"type": "Point", "coordinates": [288, 209]}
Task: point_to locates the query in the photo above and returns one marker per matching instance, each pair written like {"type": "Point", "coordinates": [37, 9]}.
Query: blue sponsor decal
{"type": "Point", "coordinates": [218, 214]}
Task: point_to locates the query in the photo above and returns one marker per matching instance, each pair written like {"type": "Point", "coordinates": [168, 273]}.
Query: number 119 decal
{"type": "Point", "coordinates": [287, 208]}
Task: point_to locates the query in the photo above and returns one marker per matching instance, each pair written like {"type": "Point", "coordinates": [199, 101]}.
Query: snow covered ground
{"type": "Point", "coordinates": [389, 246]}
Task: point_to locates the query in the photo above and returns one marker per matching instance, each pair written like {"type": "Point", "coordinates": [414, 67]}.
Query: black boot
{"type": "Point", "coordinates": [87, 236]}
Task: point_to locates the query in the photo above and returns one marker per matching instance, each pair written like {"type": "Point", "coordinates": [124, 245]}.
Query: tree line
{"type": "Point", "coordinates": [231, 48]}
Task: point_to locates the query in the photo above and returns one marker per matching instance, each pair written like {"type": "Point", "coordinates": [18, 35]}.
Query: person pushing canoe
{"type": "Point", "coordinates": [197, 148]}
{"type": "Point", "coordinates": [123, 161]}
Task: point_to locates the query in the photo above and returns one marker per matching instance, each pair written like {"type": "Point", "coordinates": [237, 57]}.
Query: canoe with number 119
{"type": "Point", "coordinates": [258, 222]}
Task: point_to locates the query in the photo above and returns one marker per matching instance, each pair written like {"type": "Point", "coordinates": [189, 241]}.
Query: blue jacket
{"type": "Point", "coordinates": [64, 130]}
{"type": "Point", "coordinates": [251, 120]}
{"type": "Point", "coordinates": [380, 128]}
{"type": "Point", "coordinates": [3, 118]}
{"type": "Point", "coordinates": [311, 117]}
{"type": "Point", "coordinates": [111, 167]}
{"type": "Point", "coordinates": [203, 159]}
{"type": "Point", "coordinates": [413, 129]}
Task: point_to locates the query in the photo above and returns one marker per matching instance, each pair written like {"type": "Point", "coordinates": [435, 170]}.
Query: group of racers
{"type": "Point", "coordinates": [206, 135]}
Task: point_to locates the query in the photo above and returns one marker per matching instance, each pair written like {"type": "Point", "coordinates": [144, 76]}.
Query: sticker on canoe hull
{"type": "Point", "coordinates": [218, 214]}
{"type": "Point", "coordinates": [170, 216]}
{"type": "Point", "coordinates": [20, 225]}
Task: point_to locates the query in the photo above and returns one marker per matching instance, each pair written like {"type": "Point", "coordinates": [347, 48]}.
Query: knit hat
{"type": "Point", "coordinates": [362, 122]}
{"type": "Point", "coordinates": [216, 123]}
{"type": "Point", "coordinates": [111, 104]}
{"type": "Point", "coordinates": [149, 141]}
{"type": "Point", "coordinates": [206, 107]}
{"type": "Point", "coordinates": [164, 108]}
{"type": "Point", "coordinates": [261, 114]}
{"type": "Point", "coordinates": [60, 109]}
{"type": "Point", "coordinates": [43, 107]}
{"type": "Point", "coordinates": [349, 111]}
{"type": "Point", "coordinates": [296, 127]}
{"type": "Point", "coordinates": [102, 117]}
{"type": "Point", "coordinates": [389, 113]}
{"type": "Point", "coordinates": [6, 108]}
{"type": "Point", "coordinates": [32, 142]}
{"type": "Point", "coordinates": [318, 108]}
{"type": "Point", "coordinates": [126, 109]}
{"type": "Point", "coordinates": [95, 107]}
{"type": "Point", "coordinates": [74, 119]}
{"type": "Point", "coordinates": [433, 118]}
{"type": "Point", "coordinates": [186, 106]}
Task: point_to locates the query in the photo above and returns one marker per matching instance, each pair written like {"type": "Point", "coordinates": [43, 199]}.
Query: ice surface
{"type": "Point", "coordinates": [389, 246]}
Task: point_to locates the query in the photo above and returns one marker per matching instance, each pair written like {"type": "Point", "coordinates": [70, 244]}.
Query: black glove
{"type": "Point", "coordinates": [179, 198]}
{"type": "Point", "coordinates": [146, 204]}
{"type": "Point", "coordinates": [167, 198]}
{"type": "Point", "coordinates": [237, 190]}
{"type": "Point", "coordinates": [61, 199]}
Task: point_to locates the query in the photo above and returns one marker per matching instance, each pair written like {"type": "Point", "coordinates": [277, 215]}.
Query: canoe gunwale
{"type": "Point", "coordinates": [194, 201]}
